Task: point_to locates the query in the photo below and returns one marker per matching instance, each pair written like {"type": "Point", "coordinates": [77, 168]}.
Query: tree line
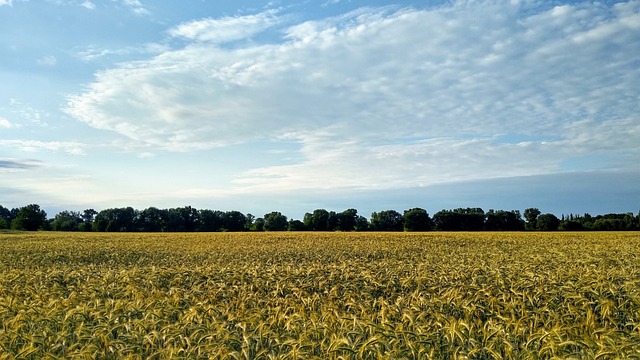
{"type": "Point", "coordinates": [189, 219]}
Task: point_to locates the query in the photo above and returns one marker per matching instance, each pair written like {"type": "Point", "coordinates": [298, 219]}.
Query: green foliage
{"type": "Point", "coordinates": [296, 225]}
{"type": "Point", "coordinates": [501, 220]}
{"type": "Point", "coordinates": [30, 218]}
{"type": "Point", "coordinates": [5, 217]}
{"type": "Point", "coordinates": [275, 221]}
{"type": "Point", "coordinates": [234, 221]}
{"type": "Point", "coordinates": [417, 219]}
{"type": "Point", "coordinates": [67, 221]}
{"type": "Point", "coordinates": [547, 222]}
{"type": "Point", "coordinates": [347, 220]}
{"type": "Point", "coordinates": [387, 220]}
{"type": "Point", "coordinates": [258, 225]}
{"type": "Point", "coordinates": [531, 217]}
{"type": "Point", "coordinates": [317, 221]}
{"type": "Point", "coordinates": [461, 219]}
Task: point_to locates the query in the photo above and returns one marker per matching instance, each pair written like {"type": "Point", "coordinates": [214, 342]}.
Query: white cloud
{"type": "Point", "coordinates": [49, 60]}
{"type": "Point", "coordinates": [225, 29]}
{"type": "Point", "coordinates": [88, 5]}
{"type": "Point", "coordinates": [6, 2]}
{"type": "Point", "coordinates": [4, 123]}
{"type": "Point", "coordinates": [28, 113]}
{"type": "Point", "coordinates": [146, 155]}
{"type": "Point", "coordinates": [136, 6]}
{"type": "Point", "coordinates": [379, 97]}
{"type": "Point", "coordinates": [93, 52]}
{"type": "Point", "coordinates": [70, 147]}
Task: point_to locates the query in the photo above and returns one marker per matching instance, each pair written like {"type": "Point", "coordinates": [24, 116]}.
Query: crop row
{"type": "Point", "coordinates": [320, 295]}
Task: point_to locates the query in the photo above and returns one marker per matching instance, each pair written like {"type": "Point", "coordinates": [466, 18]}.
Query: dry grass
{"type": "Point", "coordinates": [320, 295]}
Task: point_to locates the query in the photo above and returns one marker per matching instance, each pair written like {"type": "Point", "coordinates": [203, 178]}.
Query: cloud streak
{"type": "Point", "coordinates": [386, 97]}
{"type": "Point", "coordinates": [14, 164]}
{"type": "Point", "coordinates": [69, 147]}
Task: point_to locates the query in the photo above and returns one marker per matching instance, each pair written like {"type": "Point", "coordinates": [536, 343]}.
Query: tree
{"type": "Point", "coordinates": [88, 215]}
{"type": "Point", "coordinates": [5, 217]}
{"type": "Point", "coordinates": [275, 221]}
{"type": "Point", "coordinates": [30, 218]}
{"type": "Point", "coordinates": [417, 219]}
{"type": "Point", "coordinates": [152, 219]}
{"type": "Point", "coordinates": [258, 224]}
{"type": "Point", "coordinates": [248, 225]}
{"type": "Point", "coordinates": [318, 221]}
{"type": "Point", "coordinates": [296, 225]}
{"type": "Point", "coordinates": [234, 221]}
{"type": "Point", "coordinates": [547, 222]}
{"type": "Point", "coordinates": [183, 219]}
{"type": "Point", "coordinates": [501, 220]}
{"type": "Point", "coordinates": [117, 219]}
{"type": "Point", "coordinates": [347, 220]}
{"type": "Point", "coordinates": [67, 221]}
{"type": "Point", "coordinates": [333, 221]}
{"type": "Point", "coordinates": [211, 220]}
{"type": "Point", "coordinates": [362, 224]}
{"type": "Point", "coordinates": [387, 220]}
{"type": "Point", "coordinates": [469, 219]}
{"type": "Point", "coordinates": [531, 217]}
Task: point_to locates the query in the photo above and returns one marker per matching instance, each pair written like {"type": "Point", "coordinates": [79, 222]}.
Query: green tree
{"type": "Point", "coordinates": [116, 219]}
{"type": "Point", "coordinates": [461, 219]}
{"type": "Point", "coordinates": [183, 219]}
{"type": "Point", "coordinates": [347, 220]}
{"type": "Point", "coordinates": [211, 220]}
{"type": "Point", "coordinates": [234, 221]}
{"type": "Point", "coordinates": [152, 219]}
{"type": "Point", "coordinates": [501, 220]}
{"type": "Point", "coordinates": [275, 221]}
{"type": "Point", "coordinates": [387, 220]}
{"type": "Point", "coordinates": [317, 221]}
{"type": "Point", "coordinates": [88, 215]}
{"type": "Point", "coordinates": [531, 218]}
{"type": "Point", "coordinates": [5, 217]}
{"type": "Point", "coordinates": [248, 225]}
{"type": "Point", "coordinates": [67, 221]}
{"type": "Point", "coordinates": [30, 218]}
{"type": "Point", "coordinates": [362, 224]}
{"type": "Point", "coordinates": [417, 219]}
{"type": "Point", "coordinates": [296, 225]}
{"type": "Point", "coordinates": [258, 224]}
{"type": "Point", "coordinates": [547, 222]}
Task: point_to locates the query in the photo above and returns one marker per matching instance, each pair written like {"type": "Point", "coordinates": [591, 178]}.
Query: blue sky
{"type": "Point", "coordinates": [293, 106]}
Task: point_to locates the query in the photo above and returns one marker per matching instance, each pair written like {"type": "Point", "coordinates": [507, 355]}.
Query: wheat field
{"type": "Point", "coordinates": [320, 295]}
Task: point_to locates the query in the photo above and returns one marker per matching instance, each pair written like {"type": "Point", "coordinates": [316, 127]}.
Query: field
{"type": "Point", "coordinates": [320, 295]}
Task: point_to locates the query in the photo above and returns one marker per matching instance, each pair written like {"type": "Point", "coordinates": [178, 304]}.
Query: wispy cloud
{"type": "Point", "coordinates": [93, 52]}
{"type": "Point", "coordinates": [28, 113]}
{"type": "Point", "coordinates": [383, 97]}
{"type": "Point", "coordinates": [6, 2]}
{"type": "Point", "coordinates": [136, 6]}
{"type": "Point", "coordinates": [16, 164]}
{"type": "Point", "coordinates": [225, 29]}
{"type": "Point", "coordinates": [48, 60]}
{"type": "Point", "coordinates": [73, 148]}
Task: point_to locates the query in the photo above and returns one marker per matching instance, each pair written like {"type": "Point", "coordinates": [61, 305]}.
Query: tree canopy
{"type": "Point", "coordinates": [188, 218]}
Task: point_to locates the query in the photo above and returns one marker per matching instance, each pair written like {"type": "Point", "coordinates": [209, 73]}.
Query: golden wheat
{"type": "Point", "coordinates": [320, 295]}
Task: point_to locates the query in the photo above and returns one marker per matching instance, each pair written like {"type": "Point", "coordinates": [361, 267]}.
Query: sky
{"type": "Point", "coordinates": [292, 106]}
